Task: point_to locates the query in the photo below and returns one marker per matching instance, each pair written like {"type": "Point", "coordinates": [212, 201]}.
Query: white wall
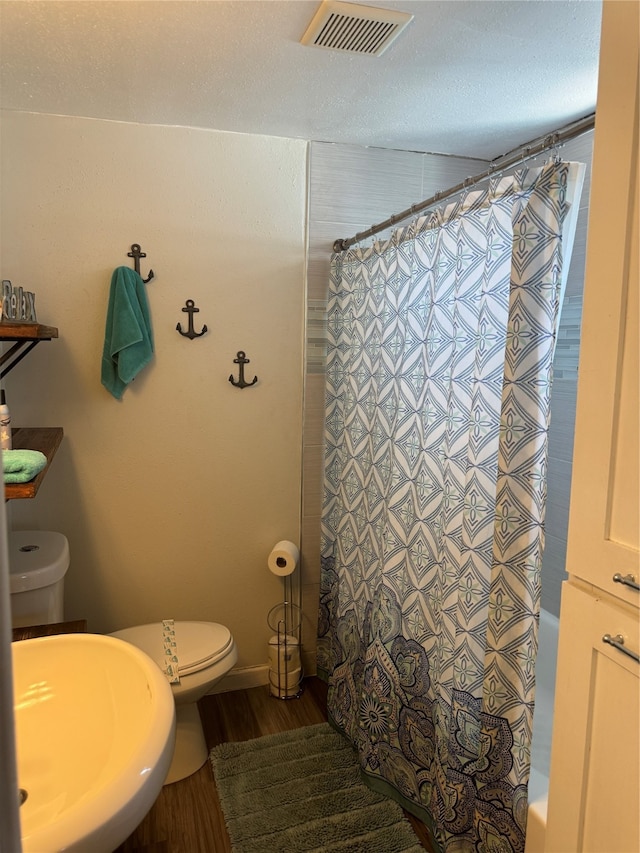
{"type": "Point", "coordinates": [172, 498]}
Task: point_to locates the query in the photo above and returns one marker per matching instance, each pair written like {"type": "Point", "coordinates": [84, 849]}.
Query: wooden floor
{"type": "Point", "coordinates": [186, 817]}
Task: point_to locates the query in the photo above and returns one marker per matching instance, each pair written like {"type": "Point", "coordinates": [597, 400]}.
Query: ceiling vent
{"type": "Point", "coordinates": [354, 28]}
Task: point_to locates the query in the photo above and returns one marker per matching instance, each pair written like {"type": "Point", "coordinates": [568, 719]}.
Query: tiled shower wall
{"type": "Point", "coordinates": [350, 189]}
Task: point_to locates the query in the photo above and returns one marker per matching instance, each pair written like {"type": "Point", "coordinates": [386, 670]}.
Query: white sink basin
{"type": "Point", "coordinates": [95, 727]}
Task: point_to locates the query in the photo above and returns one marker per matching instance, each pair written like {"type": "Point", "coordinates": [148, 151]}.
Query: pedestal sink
{"type": "Point", "coordinates": [95, 725]}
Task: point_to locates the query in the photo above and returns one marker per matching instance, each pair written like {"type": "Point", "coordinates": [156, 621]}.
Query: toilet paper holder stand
{"type": "Point", "coordinates": [285, 665]}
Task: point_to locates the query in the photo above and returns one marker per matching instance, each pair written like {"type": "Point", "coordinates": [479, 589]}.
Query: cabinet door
{"type": "Point", "coordinates": [604, 518]}
{"type": "Point", "coordinates": [595, 791]}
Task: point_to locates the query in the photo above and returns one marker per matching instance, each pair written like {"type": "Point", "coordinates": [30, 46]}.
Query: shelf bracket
{"type": "Point", "coordinates": [15, 355]}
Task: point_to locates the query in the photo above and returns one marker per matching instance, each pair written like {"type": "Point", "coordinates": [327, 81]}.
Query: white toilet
{"type": "Point", "coordinates": [206, 652]}
{"type": "Point", "coordinates": [38, 562]}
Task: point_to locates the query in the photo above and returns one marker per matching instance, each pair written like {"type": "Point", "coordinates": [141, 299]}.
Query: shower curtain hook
{"type": "Point", "coordinates": [416, 220]}
{"type": "Point", "coordinates": [494, 176]}
{"type": "Point", "coordinates": [393, 237]}
{"type": "Point", "coordinates": [466, 184]}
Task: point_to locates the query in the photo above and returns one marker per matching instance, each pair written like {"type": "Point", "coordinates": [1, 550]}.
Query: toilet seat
{"type": "Point", "coordinates": [199, 644]}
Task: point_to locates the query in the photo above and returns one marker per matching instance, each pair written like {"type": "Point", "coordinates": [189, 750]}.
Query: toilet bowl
{"type": "Point", "coordinates": [206, 652]}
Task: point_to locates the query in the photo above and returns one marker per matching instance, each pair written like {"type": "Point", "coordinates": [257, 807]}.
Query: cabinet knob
{"type": "Point", "coordinates": [618, 643]}
{"type": "Point", "coordinates": [627, 580]}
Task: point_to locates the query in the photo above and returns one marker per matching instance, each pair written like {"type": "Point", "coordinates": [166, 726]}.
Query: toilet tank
{"type": "Point", "coordinates": [38, 562]}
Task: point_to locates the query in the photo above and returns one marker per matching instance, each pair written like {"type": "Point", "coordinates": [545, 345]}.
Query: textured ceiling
{"type": "Point", "coordinates": [468, 78]}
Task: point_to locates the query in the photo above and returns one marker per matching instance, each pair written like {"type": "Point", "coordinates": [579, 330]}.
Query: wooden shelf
{"type": "Point", "coordinates": [46, 440]}
{"type": "Point", "coordinates": [27, 332]}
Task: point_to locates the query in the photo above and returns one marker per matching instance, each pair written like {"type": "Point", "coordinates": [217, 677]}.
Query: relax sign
{"type": "Point", "coordinates": [18, 305]}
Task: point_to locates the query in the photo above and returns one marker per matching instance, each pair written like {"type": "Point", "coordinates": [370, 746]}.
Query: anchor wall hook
{"type": "Point", "coordinates": [190, 309]}
{"type": "Point", "coordinates": [136, 253]}
{"type": "Point", "coordinates": [241, 361]}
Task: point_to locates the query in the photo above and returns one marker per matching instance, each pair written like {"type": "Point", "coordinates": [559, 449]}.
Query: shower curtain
{"type": "Point", "coordinates": [439, 369]}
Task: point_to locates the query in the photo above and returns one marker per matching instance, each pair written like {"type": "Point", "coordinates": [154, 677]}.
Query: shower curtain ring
{"type": "Point", "coordinates": [415, 216]}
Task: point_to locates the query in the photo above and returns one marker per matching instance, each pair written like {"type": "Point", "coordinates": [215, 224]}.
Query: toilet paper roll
{"type": "Point", "coordinates": [284, 652]}
{"type": "Point", "coordinates": [283, 559]}
{"type": "Point", "coordinates": [282, 679]}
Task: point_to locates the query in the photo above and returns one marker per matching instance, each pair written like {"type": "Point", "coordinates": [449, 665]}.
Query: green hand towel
{"type": "Point", "coordinates": [128, 339]}
{"type": "Point", "coordinates": [21, 466]}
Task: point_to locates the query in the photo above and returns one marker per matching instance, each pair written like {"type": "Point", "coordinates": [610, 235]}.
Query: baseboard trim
{"type": "Point", "coordinates": [242, 678]}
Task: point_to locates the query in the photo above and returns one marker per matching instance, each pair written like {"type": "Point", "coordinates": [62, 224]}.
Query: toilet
{"type": "Point", "coordinates": [38, 562]}
{"type": "Point", "coordinates": [206, 652]}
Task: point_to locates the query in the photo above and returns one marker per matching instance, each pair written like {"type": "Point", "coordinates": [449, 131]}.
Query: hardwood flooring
{"type": "Point", "coordinates": [187, 817]}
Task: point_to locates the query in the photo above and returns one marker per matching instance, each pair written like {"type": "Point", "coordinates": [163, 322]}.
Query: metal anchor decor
{"type": "Point", "coordinates": [241, 360]}
{"type": "Point", "coordinates": [136, 253]}
{"type": "Point", "coordinates": [190, 309]}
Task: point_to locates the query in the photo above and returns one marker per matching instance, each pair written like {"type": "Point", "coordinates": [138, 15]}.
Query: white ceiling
{"type": "Point", "coordinates": [467, 77]}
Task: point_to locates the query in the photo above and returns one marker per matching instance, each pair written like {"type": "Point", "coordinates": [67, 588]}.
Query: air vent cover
{"type": "Point", "coordinates": [354, 28]}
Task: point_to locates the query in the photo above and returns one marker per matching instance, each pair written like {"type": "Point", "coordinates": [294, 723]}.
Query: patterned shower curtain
{"type": "Point", "coordinates": [438, 383]}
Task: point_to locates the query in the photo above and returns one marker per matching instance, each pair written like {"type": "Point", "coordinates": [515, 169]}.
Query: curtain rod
{"type": "Point", "coordinates": [512, 158]}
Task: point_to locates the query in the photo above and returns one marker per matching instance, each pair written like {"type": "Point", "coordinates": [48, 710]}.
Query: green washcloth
{"type": "Point", "coordinates": [21, 466]}
{"type": "Point", "coordinates": [128, 339]}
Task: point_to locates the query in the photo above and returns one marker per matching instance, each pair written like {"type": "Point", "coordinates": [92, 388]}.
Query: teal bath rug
{"type": "Point", "coordinates": [300, 792]}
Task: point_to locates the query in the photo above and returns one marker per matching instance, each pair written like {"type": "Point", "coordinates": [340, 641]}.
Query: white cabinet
{"type": "Point", "coordinates": [594, 791]}
{"type": "Point", "coordinates": [594, 795]}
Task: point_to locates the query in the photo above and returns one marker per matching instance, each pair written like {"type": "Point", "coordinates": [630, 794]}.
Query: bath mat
{"type": "Point", "coordinates": [300, 792]}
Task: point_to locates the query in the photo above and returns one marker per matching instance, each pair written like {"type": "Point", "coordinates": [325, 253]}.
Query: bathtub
{"type": "Point", "coordinates": [542, 725]}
